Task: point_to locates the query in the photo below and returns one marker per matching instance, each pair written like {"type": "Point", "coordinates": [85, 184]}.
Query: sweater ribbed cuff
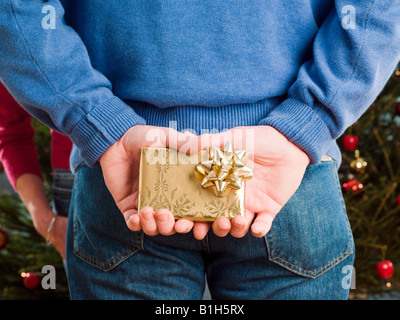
{"type": "Point", "coordinates": [302, 126]}
{"type": "Point", "coordinates": [102, 127]}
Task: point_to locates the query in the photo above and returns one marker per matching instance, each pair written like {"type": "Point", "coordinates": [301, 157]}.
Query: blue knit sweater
{"type": "Point", "coordinates": [93, 69]}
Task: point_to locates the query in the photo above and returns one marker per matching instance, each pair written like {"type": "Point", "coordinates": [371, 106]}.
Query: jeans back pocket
{"type": "Point", "coordinates": [100, 235]}
{"type": "Point", "coordinates": [311, 233]}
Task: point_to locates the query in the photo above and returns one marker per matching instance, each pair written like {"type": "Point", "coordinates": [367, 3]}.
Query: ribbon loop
{"type": "Point", "coordinates": [224, 171]}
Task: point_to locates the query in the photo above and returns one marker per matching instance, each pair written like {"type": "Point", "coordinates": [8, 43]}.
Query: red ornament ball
{"type": "Point", "coordinates": [398, 200]}
{"type": "Point", "coordinates": [353, 185]}
{"type": "Point", "coordinates": [350, 142]}
{"type": "Point", "coordinates": [31, 280]}
{"type": "Point", "coordinates": [385, 269]}
{"type": "Point", "coordinates": [3, 239]}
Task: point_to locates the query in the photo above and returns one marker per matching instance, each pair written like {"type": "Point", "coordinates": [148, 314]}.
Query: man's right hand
{"type": "Point", "coordinates": [120, 166]}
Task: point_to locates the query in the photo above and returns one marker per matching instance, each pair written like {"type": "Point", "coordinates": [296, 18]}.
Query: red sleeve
{"type": "Point", "coordinates": [61, 147]}
{"type": "Point", "coordinates": [18, 153]}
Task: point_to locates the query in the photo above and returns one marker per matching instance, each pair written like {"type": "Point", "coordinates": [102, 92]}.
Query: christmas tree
{"type": "Point", "coordinates": [370, 175]}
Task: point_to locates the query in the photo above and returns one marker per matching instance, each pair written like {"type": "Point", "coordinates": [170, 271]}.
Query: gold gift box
{"type": "Point", "coordinates": [167, 180]}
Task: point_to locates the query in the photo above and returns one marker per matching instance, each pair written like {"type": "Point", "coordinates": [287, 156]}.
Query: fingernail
{"type": "Point", "coordinates": [133, 222]}
{"type": "Point", "coordinates": [145, 209]}
{"type": "Point", "coordinates": [199, 237]}
{"type": "Point", "coordinates": [260, 231]}
{"type": "Point", "coordinates": [224, 224]}
{"type": "Point", "coordinates": [147, 214]}
{"type": "Point", "coordinates": [162, 216]}
{"type": "Point", "coordinates": [134, 218]}
{"type": "Point", "coordinates": [239, 222]}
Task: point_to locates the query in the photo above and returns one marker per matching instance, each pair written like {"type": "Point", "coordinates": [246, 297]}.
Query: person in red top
{"type": "Point", "coordinates": [19, 158]}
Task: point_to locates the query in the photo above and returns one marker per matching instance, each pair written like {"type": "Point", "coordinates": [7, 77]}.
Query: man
{"type": "Point", "coordinates": [292, 75]}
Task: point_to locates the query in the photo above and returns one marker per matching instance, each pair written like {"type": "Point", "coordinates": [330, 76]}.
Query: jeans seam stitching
{"type": "Point", "coordinates": [314, 273]}
{"type": "Point", "coordinates": [110, 263]}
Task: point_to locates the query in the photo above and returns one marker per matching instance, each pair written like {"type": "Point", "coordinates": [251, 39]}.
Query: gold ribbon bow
{"type": "Point", "coordinates": [224, 171]}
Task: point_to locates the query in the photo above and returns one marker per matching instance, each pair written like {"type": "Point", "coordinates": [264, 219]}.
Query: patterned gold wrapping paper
{"type": "Point", "coordinates": [167, 180]}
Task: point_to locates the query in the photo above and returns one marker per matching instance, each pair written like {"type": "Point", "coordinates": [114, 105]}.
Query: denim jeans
{"type": "Point", "coordinates": [62, 190]}
{"type": "Point", "coordinates": [305, 255]}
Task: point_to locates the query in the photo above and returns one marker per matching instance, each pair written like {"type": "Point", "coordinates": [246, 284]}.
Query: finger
{"type": "Point", "coordinates": [241, 224]}
{"type": "Point", "coordinates": [165, 222]}
{"type": "Point", "coordinates": [200, 229]}
{"type": "Point", "coordinates": [163, 137]}
{"type": "Point", "coordinates": [175, 139]}
{"type": "Point", "coordinates": [133, 222]}
{"type": "Point", "coordinates": [195, 144]}
{"type": "Point", "coordinates": [191, 145]}
{"type": "Point", "coordinates": [148, 221]}
{"type": "Point", "coordinates": [242, 138]}
{"type": "Point", "coordinates": [183, 226]}
{"type": "Point", "coordinates": [132, 219]}
{"type": "Point", "coordinates": [262, 224]}
{"type": "Point", "coordinates": [191, 134]}
{"type": "Point", "coordinates": [221, 226]}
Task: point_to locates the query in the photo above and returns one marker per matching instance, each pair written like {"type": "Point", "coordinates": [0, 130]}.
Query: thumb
{"type": "Point", "coordinates": [262, 224]}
